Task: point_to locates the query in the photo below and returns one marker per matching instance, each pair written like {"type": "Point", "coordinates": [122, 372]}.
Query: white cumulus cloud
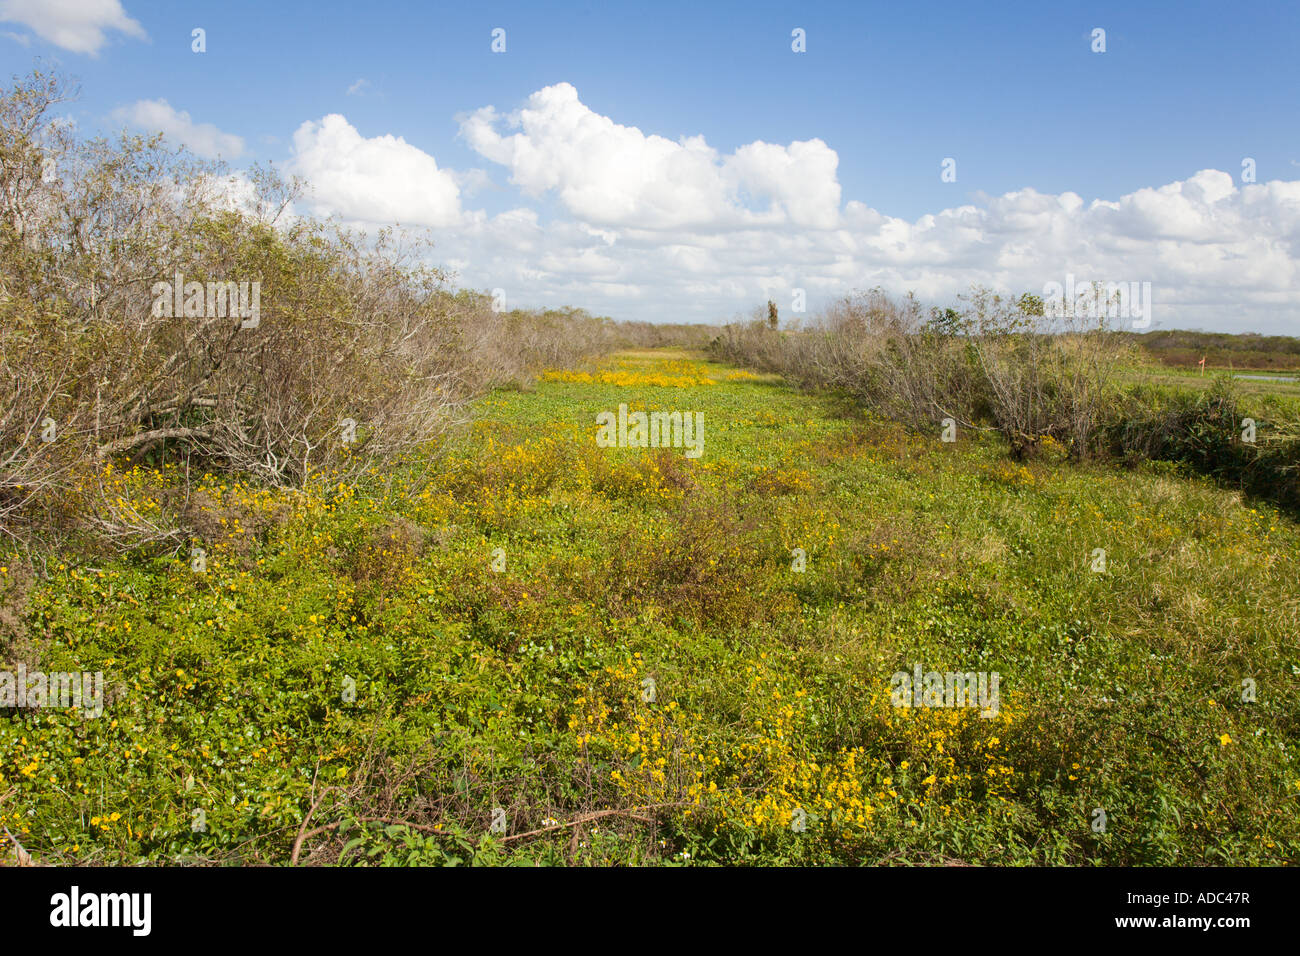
{"type": "Point", "coordinates": [77, 25]}
{"type": "Point", "coordinates": [379, 180]}
{"type": "Point", "coordinates": [608, 174]}
{"type": "Point", "coordinates": [204, 139]}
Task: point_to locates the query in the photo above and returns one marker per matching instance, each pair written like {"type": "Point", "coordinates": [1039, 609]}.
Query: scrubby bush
{"type": "Point", "coordinates": [1207, 431]}
{"type": "Point", "coordinates": [997, 362]}
{"type": "Point", "coordinates": [1002, 364]}
{"type": "Point", "coordinates": [657, 335]}
{"type": "Point", "coordinates": [1045, 377]}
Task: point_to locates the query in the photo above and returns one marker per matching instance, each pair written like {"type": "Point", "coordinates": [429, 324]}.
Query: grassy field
{"type": "Point", "coordinates": [1279, 388]}
{"type": "Point", "coordinates": [553, 652]}
{"type": "Point", "coordinates": [1183, 348]}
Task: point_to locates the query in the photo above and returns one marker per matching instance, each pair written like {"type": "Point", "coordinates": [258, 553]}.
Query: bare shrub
{"type": "Point", "coordinates": [886, 353]}
{"type": "Point", "coordinates": [1045, 376]}
{"type": "Point", "coordinates": [997, 360]}
{"type": "Point", "coordinates": [656, 335]}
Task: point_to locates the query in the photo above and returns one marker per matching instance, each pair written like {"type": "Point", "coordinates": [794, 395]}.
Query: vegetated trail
{"type": "Point", "coordinates": [638, 655]}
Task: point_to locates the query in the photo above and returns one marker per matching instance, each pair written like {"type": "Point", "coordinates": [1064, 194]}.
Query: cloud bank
{"type": "Point", "coordinates": [674, 230]}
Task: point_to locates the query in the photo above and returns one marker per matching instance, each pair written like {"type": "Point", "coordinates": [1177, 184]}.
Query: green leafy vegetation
{"type": "Point", "coordinates": [351, 681]}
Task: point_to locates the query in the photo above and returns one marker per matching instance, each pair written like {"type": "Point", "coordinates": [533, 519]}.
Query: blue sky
{"type": "Point", "coordinates": [1012, 91]}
